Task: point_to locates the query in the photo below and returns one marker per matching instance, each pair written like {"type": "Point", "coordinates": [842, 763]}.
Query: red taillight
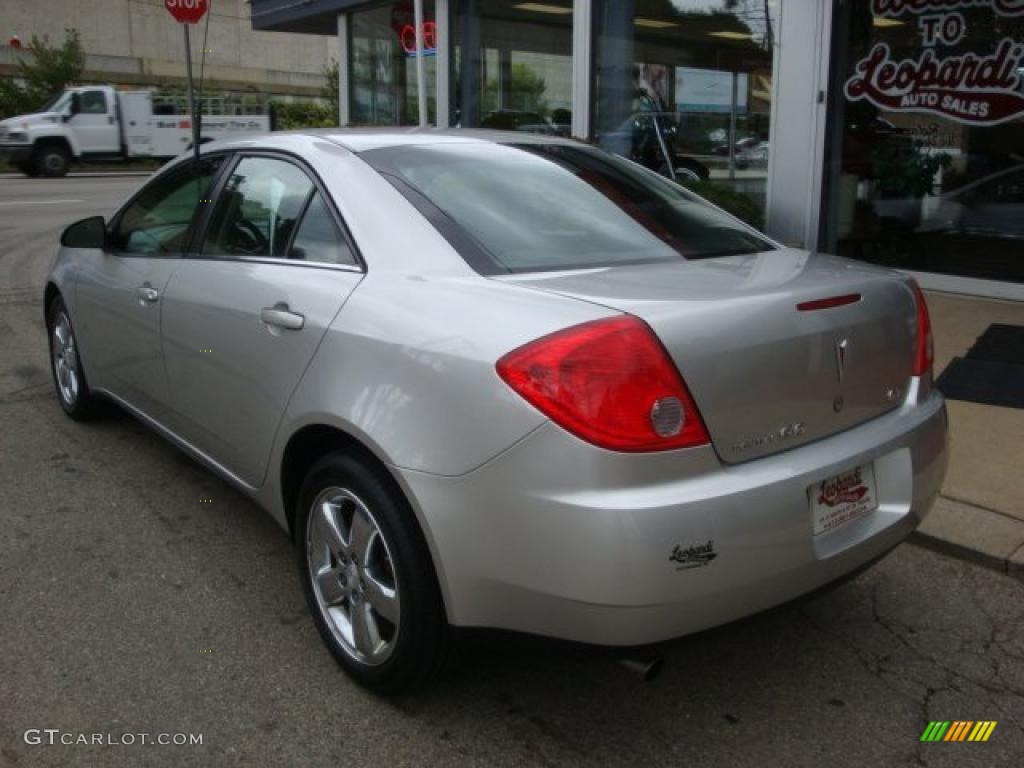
{"type": "Point", "coordinates": [924, 355]}
{"type": "Point", "coordinates": [609, 382]}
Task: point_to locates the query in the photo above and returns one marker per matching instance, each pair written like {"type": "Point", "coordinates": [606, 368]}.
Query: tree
{"type": "Point", "coordinates": [303, 114]}
{"type": "Point", "coordinates": [330, 91]}
{"type": "Point", "coordinates": [44, 74]}
{"type": "Point", "coordinates": [526, 91]}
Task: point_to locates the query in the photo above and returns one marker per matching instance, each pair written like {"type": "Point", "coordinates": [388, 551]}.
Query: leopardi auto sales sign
{"type": "Point", "coordinates": [971, 88]}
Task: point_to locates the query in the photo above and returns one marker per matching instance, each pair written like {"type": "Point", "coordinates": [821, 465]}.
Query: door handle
{"type": "Point", "coordinates": [280, 316]}
{"type": "Point", "coordinates": [147, 294]}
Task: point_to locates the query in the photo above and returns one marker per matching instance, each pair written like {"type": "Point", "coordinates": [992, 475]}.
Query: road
{"type": "Point", "coordinates": [128, 605]}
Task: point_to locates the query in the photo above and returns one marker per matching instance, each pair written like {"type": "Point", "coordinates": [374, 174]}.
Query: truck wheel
{"type": "Point", "coordinates": [51, 161]}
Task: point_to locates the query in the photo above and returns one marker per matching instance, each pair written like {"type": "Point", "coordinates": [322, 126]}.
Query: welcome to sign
{"type": "Point", "coordinates": [969, 88]}
{"type": "Point", "coordinates": [897, 7]}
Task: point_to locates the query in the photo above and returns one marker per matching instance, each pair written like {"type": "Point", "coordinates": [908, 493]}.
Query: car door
{"type": "Point", "coordinates": [243, 316]}
{"type": "Point", "coordinates": [119, 291]}
{"type": "Point", "coordinates": [95, 123]}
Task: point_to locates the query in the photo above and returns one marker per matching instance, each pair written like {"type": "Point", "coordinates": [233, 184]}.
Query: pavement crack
{"type": "Point", "coordinates": [952, 674]}
{"type": "Point", "coordinates": [977, 506]}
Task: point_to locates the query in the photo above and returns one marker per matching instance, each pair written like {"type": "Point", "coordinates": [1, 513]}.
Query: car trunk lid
{"type": "Point", "coordinates": [765, 374]}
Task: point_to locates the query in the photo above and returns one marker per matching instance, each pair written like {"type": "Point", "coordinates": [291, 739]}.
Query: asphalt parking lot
{"type": "Point", "coordinates": [128, 604]}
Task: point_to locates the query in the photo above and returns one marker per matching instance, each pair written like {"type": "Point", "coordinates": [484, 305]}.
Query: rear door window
{"type": "Point", "coordinates": [257, 211]}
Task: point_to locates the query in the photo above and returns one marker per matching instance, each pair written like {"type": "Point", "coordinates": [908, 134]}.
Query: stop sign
{"type": "Point", "coordinates": [187, 11]}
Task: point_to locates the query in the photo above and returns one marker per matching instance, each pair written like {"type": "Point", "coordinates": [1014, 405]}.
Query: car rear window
{"type": "Point", "coordinates": [538, 207]}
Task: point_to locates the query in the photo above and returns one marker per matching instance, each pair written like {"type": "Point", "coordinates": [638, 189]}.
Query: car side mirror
{"type": "Point", "coordinates": [87, 233]}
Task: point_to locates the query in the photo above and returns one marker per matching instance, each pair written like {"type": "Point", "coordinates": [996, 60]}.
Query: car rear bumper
{"type": "Point", "coordinates": [558, 538]}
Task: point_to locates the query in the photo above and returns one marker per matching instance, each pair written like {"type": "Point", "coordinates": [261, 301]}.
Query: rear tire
{"type": "Point", "coordinates": [685, 170]}
{"type": "Point", "coordinates": [692, 169]}
{"type": "Point", "coordinates": [51, 161]}
{"type": "Point", "coordinates": [73, 391]}
{"type": "Point", "coordinates": [368, 576]}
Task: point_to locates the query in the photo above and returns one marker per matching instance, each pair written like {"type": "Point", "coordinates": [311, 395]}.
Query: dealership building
{"type": "Point", "coordinates": [890, 131]}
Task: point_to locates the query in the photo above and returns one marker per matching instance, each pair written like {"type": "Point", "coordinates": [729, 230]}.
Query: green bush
{"type": "Point", "coordinates": [295, 115]}
{"type": "Point", "coordinates": [48, 72]}
{"type": "Point", "coordinates": [739, 205]}
{"type": "Point", "coordinates": [330, 92]}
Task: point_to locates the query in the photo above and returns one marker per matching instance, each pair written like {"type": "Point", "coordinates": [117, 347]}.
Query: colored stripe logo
{"type": "Point", "coordinates": [958, 730]}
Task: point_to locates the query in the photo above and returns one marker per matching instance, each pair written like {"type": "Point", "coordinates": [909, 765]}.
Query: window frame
{"type": "Point", "coordinates": [203, 220]}
{"type": "Point", "coordinates": [115, 220]}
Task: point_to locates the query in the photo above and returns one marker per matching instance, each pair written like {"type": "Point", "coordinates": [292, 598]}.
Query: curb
{"type": "Point", "coordinates": [975, 534]}
{"type": "Point", "coordinates": [79, 175]}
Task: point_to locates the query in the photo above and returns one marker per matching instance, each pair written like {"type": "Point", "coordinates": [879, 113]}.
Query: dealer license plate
{"type": "Point", "coordinates": [842, 498]}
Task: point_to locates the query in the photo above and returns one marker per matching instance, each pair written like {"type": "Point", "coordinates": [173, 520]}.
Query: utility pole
{"type": "Point", "coordinates": [421, 77]}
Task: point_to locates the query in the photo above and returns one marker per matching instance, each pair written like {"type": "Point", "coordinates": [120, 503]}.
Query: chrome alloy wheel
{"type": "Point", "coordinates": [353, 576]}
{"type": "Point", "coordinates": [65, 360]}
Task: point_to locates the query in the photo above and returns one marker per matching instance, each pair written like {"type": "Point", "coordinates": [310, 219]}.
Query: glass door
{"type": "Point", "coordinates": [925, 157]}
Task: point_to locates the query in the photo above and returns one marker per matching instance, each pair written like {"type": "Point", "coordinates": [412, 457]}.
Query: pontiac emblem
{"type": "Point", "coordinates": [841, 347]}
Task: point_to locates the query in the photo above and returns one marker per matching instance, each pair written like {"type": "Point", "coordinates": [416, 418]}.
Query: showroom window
{"type": "Point", "coordinates": [925, 162]}
{"type": "Point", "coordinates": [382, 48]}
{"type": "Point", "coordinates": [512, 65]}
{"type": "Point", "coordinates": [685, 88]}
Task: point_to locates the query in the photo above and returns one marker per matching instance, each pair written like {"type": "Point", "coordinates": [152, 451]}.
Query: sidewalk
{"type": "Point", "coordinates": [980, 512]}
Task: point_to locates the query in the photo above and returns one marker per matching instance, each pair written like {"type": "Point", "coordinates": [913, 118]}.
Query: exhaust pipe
{"type": "Point", "coordinates": [648, 667]}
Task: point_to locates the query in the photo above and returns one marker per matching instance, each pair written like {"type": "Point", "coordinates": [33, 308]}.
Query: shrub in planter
{"type": "Point", "coordinates": [295, 115]}
{"type": "Point", "coordinates": [738, 204]}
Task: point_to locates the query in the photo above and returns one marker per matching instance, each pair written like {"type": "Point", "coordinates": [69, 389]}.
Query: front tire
{"type": "Point", "coordinates": [69, 380]}
{"type": "Point", "coordinates": [51, 161]}
{"type": "Point", "coordinates": [368, 576]}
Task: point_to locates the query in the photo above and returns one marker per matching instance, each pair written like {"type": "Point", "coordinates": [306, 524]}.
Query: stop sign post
{"type": "Point", "coordinates": [187, 12]}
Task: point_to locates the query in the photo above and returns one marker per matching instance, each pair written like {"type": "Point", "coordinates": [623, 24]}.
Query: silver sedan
{"type": "Point", "coordinates": [494, 380]}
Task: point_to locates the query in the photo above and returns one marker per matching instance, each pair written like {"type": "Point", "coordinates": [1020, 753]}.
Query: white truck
{"type": "Point", "coordinates": [100, 123]}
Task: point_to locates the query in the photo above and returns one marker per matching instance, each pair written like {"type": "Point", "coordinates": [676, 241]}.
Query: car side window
{"type": "Point", "coordinates": [318, 238]}
{"type": "Point", "coordinates": [158, 221]}
{"type": "Point", "coordinates": [93, 103]}
{"type": "Point", "coordinates": [258, 209]}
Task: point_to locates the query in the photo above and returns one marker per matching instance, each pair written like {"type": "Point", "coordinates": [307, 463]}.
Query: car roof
{"type": "Point", "coordinates": [365, 139]}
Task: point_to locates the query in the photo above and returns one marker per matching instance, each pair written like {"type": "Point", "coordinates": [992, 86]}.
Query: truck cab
{"type": "Point", "coordinates": [78, 124]}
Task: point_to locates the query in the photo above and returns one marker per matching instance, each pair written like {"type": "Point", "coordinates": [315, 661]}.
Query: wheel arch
{"type": "Point", "coordinates": [59, 141]}
{"type": "Point", "coordinates": [52, 292]}
{"type": "Point", "coordinates": [311, 442]}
